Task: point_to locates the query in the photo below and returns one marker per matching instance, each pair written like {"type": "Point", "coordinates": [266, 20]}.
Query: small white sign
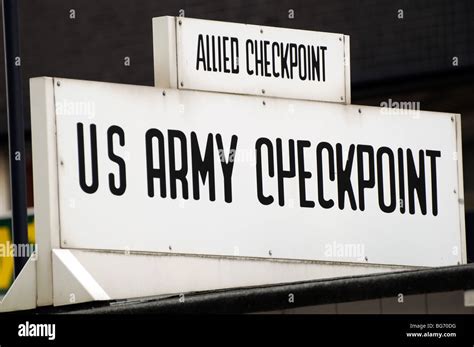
{"type": "Point", "coordinates": [250, 59]}
{"type": "Point", "coordinates": [157, 170]}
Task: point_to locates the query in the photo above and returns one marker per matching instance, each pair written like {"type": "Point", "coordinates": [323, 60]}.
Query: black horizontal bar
{"type": "Point", "coordinates": [275, 297]}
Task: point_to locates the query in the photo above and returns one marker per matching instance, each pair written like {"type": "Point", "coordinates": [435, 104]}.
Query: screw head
{"type": "Point", "coordinates": [360, 111]}
{"type": "Point", "coordinates": [263, 91]}
{"type": "Point", "coordinates": [261, 31]}
{"type": "Point", "coordinates": [181, 84]}
{"type": "Point", "coordinates": [270, 252]}
{"type": "Point", "coordinates": [164, 93]}
{"type": "Point", "coordinates": [264, 103]}
{"type": "Point", "coordinates": [58, 83]}
{"type": "Point", "coordinates": [180, 22]}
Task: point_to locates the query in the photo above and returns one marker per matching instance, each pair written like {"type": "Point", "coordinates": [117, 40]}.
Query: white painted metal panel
{"type": "Point", "coordinates": [137, 222]}
{"type": "Point", "coordinates": [251, 59]}
{"type": "Point", "coordinates": [142, 275]}
{"type": "Point", "coordinates": [45, 182]}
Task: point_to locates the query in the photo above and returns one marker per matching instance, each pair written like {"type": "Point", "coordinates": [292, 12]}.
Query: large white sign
{"type": "Point", "coordinates": [250, 59]}
{"type": "Point", "coordinates": [144, 169]}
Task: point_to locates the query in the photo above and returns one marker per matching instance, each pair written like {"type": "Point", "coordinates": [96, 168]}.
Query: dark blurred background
{"type": "Point", "coordinates": [411, 50]}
